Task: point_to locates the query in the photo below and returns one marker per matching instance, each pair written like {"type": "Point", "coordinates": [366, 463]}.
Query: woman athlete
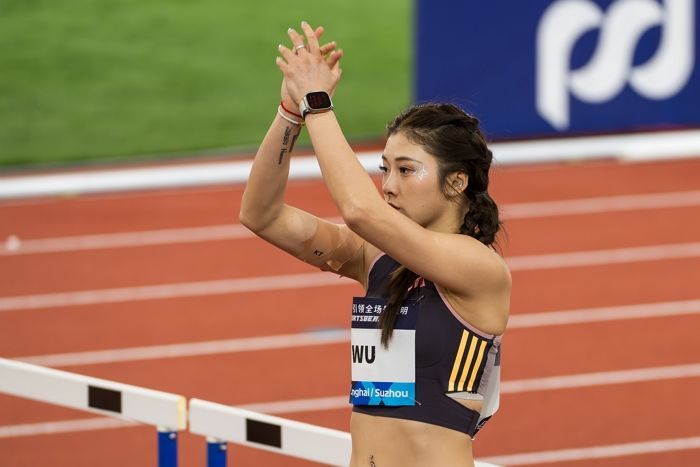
{"type": "Point", "coordinates": [426, 337]}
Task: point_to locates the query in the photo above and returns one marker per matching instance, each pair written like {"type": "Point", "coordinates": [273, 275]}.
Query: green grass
{"type": "Point", "coordinates": [116, 79]}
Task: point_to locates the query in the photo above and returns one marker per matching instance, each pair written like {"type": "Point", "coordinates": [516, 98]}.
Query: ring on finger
{"type": "Point", "coordinates": [297, 48]}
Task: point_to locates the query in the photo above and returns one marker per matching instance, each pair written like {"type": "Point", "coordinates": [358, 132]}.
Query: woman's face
{"type": "Point", "coordinates": [410, 181]}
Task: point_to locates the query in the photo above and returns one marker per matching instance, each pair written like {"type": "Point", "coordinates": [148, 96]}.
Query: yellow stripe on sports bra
{"type": "Point", "coordinates": [477, 364]}
{"type": "Point", "coordinates": [467, 363]}
{"type": "Point", "coordinates": [458, 360]}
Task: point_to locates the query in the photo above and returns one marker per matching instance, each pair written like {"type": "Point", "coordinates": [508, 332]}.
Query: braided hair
{"type": "Point", "coordinates": [453, 137]}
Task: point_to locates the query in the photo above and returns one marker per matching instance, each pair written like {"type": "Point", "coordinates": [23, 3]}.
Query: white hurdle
{"type": "Point", "coordinates": [163, 410]}
{"type": "Point", "coordinates": [222, 423]}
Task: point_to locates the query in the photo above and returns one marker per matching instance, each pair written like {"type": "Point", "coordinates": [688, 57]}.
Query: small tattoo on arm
{"type": "Point", "coordinates": [282, 153]}
{"type": "Point", "coordinates": [371, 461]}
{"type": "Point", "coordinates": [287, 132]}
{"type": "Point", "coordinates": [294, 140]}
{"type": "Point", "coordinates": [286, 146]}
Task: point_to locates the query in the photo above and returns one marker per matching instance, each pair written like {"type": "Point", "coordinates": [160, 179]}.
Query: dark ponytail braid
{"type": "Point", "coordinates": [453, 137]}
{"type": "Point", "coordinates": [400, 280]}
{"type": "Point", "coordinates": [481, 221]}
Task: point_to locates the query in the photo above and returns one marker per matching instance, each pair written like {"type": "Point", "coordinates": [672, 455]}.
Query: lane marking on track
{"type": "Point", "coordinates": [597, 452]}
{"type": "Point", "coordinates": [176, 290]}
{"type": "Point", "coordinates": [602, 204]}
{"type": "Point", "coordinates": [603, 257]}
{"type": "Point", "coordinates": [18, 246]}
{"type": "Point", "coordinates": [191, 349]}
{"type": "Point", "coordinates": [599, 314]}
{"type": "Point", "coordinates": [63, 426]}
{"type": "Point", "coordinates": [248, 344]}
{"type": "Point", "coordinates": [321, 279]}
{"type": "Point", "coordinates": [602, 378]}
{"type": "Point", "coordinates": [341, 402]}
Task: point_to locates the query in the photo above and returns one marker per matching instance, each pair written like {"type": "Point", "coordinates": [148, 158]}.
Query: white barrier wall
{"type": "Point", "coordinates": [657, 145]}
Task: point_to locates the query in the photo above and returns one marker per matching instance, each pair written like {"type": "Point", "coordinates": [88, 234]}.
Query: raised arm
{"type": "Point", "coordinates": [263, 210]}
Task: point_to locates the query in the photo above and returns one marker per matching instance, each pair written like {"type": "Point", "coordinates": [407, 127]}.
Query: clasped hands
{"type": "Point", "coordinates": [307, 66]}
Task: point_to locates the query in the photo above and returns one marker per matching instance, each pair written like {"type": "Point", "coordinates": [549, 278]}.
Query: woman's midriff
{"type": "Point", "coordinates": [394, 442]}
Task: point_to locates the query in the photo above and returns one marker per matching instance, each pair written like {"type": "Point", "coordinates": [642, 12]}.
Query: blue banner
{"type": "Point", "coordinates": [562, 67]}
{"type": "Point", "coordinates": [380, 393]}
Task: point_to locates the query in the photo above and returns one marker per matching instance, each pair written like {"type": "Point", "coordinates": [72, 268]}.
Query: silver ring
{"type": "Point", "coordinates": [297, 48]}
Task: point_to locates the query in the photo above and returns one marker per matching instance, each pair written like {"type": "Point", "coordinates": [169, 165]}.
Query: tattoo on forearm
{"type": "Point", "coordinates": [286, 146]}
{"type": "Point", "coordinates": [283, 151]}
{"type": "Point", "coordinates": [294, 140]}
{"type": "Point", "coordinates": [371, 461]}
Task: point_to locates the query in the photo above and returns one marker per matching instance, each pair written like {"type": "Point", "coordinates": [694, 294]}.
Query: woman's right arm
{"type": "Point", "coordinates": [291, 229]}
{"type": "Point", "coordinates": [331, 247]}
{"type": "Point", "coordinates": [262, 207]}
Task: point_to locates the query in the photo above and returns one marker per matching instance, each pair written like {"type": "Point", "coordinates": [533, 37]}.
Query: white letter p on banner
{"type": "Point", "coordinates": [611, 66]}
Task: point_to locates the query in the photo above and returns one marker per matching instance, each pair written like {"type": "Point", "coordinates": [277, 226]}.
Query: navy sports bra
{"type": "Point", "coordinates": [451, 357]}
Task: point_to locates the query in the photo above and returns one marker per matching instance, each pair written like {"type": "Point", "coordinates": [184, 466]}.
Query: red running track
{"type": "Point", "coordinates": [584, 416]}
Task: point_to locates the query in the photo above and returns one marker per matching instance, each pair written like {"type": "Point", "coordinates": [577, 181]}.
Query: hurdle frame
{"type": "Point", "coordinates": [221, 424]}
{"type": "Point", "coordinates": [165, 411]}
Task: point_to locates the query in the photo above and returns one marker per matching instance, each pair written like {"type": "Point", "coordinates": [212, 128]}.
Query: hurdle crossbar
{"type": "Point", "coordinates": [167, 412]}
{"type": "Point", "coordinates": [270, 433]}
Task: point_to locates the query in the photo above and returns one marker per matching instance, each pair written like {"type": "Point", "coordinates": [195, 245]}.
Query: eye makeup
{"type": "Point", "coordinates": [421, 173]}
{"type": "Point", "coordinates": [415, 168]}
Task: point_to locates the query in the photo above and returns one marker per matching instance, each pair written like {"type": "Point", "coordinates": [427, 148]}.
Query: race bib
{"type": "Point", "coordinates": [382, 376]}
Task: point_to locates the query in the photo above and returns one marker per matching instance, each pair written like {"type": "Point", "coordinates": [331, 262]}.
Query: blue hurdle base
{"type": "Point", "coordinates": [167, 448]}
{"type": "Point", "coordinates": [216, 453]}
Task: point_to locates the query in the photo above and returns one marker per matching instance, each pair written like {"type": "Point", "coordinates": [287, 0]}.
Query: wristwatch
{"type": "Point", "coordinates": [314, 103]}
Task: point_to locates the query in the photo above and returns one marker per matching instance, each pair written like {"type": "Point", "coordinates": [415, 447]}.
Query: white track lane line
{"type": "Point", "coordinates": [176, 290]}
{"type": "Point", "coordinates": [63, 426]}
{"type": "Point", "coordinates": [597, 452]}
{"type": "Point", "coordinates": [603, 378]}
{"type": "Point", "coordinates": [248, 344]}
{"type": "Point", "coordinates": [18, 246]}
{"type": "Point", "coordinates": [321, 279]}
{"type": "Point", "coordinates": [191, 349]}
{"type": "Point", "coordinates": [601, 314]}
{"type": "Point", "coordinates": [568, 207]}
{"type": "Point", "coordinates": [603, 257]}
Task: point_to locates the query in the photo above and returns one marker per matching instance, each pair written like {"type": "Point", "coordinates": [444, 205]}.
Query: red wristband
{"type": "Point", "coordinates": [289, 111]}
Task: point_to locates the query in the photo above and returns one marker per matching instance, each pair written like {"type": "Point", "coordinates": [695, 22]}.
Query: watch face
{"type": "Point", "coordinates": [318, 100]}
